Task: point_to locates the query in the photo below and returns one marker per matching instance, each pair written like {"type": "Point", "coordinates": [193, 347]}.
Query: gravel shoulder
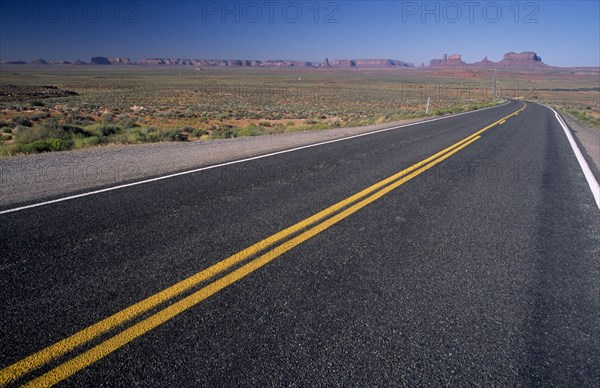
{"type": "Point", "coordinates": [31, 178]}
{"type": "Point", "coordinates": [588, 140]}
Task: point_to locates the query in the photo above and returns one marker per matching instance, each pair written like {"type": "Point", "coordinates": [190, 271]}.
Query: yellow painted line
{"type": "Point", "coordinates": [64, 346]}
{"type": "Point", "coordinates": [51, 352]}
{"type": "Point", "coordinates": [501, 122]}
{"type": "Point", "coordinates": [54, 351]}
{"type": "Point", "coordinates": [497, 122]}
{"type": "Point", "coordinates": [100, 351]}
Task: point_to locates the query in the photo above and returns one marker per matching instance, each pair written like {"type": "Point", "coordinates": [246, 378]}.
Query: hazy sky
{"type": "Point", "coordinates": [563, 33]}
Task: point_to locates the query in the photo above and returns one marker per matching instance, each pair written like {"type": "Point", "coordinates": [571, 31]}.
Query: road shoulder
{"type": "Point", "coordinates": [588, 141]}
{"type": "Point", "coordinates": [30, 178]}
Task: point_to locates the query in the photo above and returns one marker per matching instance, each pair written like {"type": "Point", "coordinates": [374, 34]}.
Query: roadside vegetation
{"type": "Point", "coordinates": [43, 132]}
{"type": "Point", "coordinates": [69, 108]}
{"type": "Point", "coordinates": [586, 116]}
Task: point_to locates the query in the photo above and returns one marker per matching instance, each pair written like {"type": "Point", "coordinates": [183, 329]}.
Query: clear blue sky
{"type": "Point", "coordinates": [563, 33]}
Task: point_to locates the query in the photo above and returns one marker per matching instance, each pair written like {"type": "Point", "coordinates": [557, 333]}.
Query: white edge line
{"type": "Point", "coordinates": [589, 176]}
{"type": "Point", "coordinates": [231, 162]}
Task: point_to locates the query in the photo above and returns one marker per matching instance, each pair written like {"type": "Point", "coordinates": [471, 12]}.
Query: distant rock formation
{"type": "Point", "coordinates": [280, 63]}
{"type": "Point", "coordinates": [375, 63]}
{"type": "Point", "coordinates": [119, 61]}
{"type": "Point", "coordinates": [454, 60]}
{"type": "Point", "coordinates": [527, 59]}
{"type": "Point", "coordinates": [110, 61]}
{"type": "Point", "coordinates": [336, 63]}
{"type": "Point", "coordinates": [524, 60]}
{"type": "Point", "coordinates": [100, 61]}
{"type": "Point", "coordinates": [485, 62]}
{"type": "Point", "coordinates": [343, 63]}
{"type": "Point", "coordinates": [223, 62]}
{"type": "Point", "coordinates": [369, 63]}
{"type": "Point", "coordinates": [60, 62]}
{"type": "Point", "coordinates": [38, 61]}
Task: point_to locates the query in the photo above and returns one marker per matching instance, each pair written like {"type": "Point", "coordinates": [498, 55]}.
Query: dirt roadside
{"type": "Point", "coordinates": [588, 140]}
{"type": "Point", "coordinates": [31, 178]}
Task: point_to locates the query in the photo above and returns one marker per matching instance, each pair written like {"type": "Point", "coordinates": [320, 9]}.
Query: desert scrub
{"type": "Point", "coordinates": [198, 132]}
{"type": "Point", "coordinates": [150, 135]}
{"type": "Point", "coordinates": [85, 142]}
{"type": "Point", "coordinates": [173, 135]}
{"type": "Point", "coordinates": [20, 120]}
{"type": "Point", "coordinates": [251, 130]}
{"type": "Point", "coordinates": [463, 108]}
{"type": "Point", "coordinates": [49, 136]}
{"type": "Point", "coordinates": [224, 131]}
{"type": "Point", "coordinates": [127, 122]}
{"type": "Point", "coordinates": [309, 125]}
{"type": "Point", "coordinates": [103, 129]}
{"type": "Point", "coordinates": [135, 135]}
{"type": "Point", "coordinates": [584, 117]}
{"type": "Point", "coordinates": [37, 146]}
{"type": "Point", "coordinates": [39, 116]}
{"type": "Point", "coordinates": [227, 131]}
{"type": "Point", "coordinates": [78, 119]}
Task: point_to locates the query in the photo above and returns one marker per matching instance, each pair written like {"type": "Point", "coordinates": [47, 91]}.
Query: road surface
{"type": "Point", "coordinates": [452, 252]}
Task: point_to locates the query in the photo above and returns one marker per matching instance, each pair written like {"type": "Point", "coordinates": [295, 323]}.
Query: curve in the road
{"type": "Point", "coordinates": [327, 218]}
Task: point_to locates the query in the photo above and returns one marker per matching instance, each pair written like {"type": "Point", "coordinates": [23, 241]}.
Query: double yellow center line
{"type": "Point", "coordinates": [286, 239]}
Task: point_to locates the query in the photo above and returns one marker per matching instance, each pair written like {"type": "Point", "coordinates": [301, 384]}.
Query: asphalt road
{"type": "Point", "coordinates": [482, 268]}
